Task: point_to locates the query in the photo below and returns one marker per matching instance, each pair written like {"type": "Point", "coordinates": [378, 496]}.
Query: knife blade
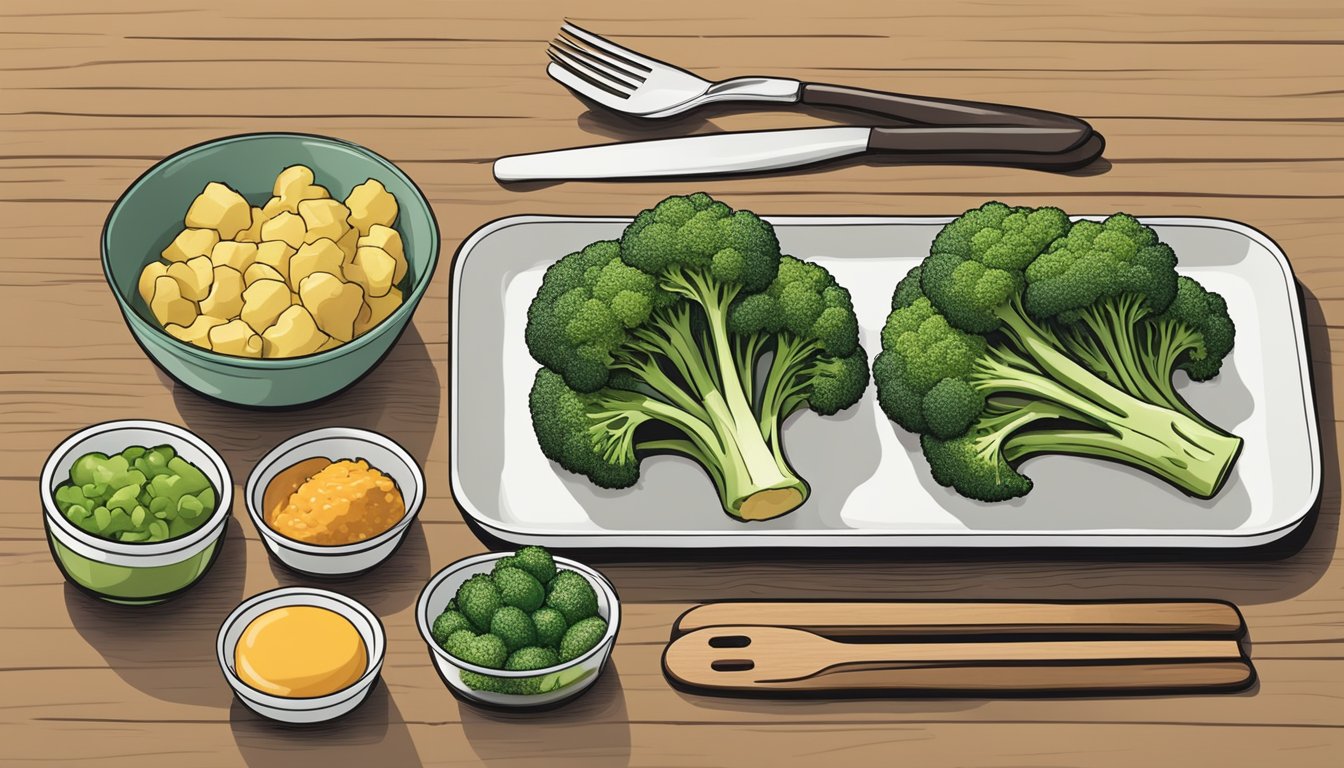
{"type": "Point", "coordinates": [688, 155]}
{"type": "Point", "coordinates": [755, 151]}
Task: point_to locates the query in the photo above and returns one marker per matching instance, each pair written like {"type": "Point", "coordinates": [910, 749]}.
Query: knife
{"type": "Point", "coordinates": [757, 151]}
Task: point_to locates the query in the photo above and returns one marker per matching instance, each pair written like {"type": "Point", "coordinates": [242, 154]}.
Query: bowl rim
{"type": "Point", "coordinates": [139, 325]}
{"type": "Point", "coordinates": [594, 577]}
{"type": "Point", "coordinates": [290, 597]}
{"type": "Point", "coordinates": [64, 529]}
{"type": "Point", "coordinates": [326, 433]}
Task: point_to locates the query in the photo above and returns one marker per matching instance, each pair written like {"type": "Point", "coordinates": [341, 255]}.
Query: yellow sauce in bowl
{"type": "Point", "coordinates": [300, 651]}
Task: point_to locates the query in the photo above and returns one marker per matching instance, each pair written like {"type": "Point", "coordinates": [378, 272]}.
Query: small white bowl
{"type": "Point", "coordinates": [336, 443]}
{"type": "Point", "coordinates": [134, 573]}
{"type": "Point", "coordinates": [575, 676]}
{"type": "Point", "coordinates": [302, 710]}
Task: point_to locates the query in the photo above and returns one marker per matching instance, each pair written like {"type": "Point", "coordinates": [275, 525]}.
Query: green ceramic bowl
{"type": "Point", "coordinates": [149, 214]}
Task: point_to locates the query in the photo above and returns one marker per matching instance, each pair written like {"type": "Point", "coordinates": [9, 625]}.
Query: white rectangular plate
{"type": "Point", "coordinates": [870, 485]}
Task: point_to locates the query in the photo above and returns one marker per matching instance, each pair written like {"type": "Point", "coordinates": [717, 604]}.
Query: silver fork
{"type": "Point", "coordinates": [627, 81]}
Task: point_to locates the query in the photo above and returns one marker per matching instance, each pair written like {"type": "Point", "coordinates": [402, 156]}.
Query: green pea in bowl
{"type": "Point", "coordinates": [150, 214]}
{"type": "Point", "coordinates": [136, 573]}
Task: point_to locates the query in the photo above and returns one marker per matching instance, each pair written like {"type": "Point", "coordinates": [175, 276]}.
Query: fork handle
{"type": "Point", "coordinates": [1039, 131]}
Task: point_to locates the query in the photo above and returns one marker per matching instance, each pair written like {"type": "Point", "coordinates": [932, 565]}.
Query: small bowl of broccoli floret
{"type": "Point", "coordinates": [518, 630]}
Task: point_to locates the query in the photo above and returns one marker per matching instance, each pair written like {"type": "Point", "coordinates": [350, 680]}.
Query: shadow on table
{"type": "Point", "coordinates": [398, 398]}
{"type": "Point", "coordinates": [372, 735]}
{"type": "Point", "coordinates": [168, 650]}
{"type": "Point", "coordinates": [387, 589]}
{"type": "Point", "coordinates": [592, 731]}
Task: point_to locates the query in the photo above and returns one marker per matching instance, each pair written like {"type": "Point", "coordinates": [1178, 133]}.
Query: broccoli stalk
{"type": "Point", "coordinates": [641, 354]}
{"type": "Point", "coordinates": [1021, 335]}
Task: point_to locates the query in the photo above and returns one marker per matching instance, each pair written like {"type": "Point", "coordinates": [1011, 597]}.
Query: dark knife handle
{"type": "Point", "coordinates": [1057, 132]}
{"type": "Point", "coordinates": [978, 148]}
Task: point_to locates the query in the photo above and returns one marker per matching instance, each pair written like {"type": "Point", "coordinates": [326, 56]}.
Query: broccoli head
{"type": "Point", "coordinates": [551, 626]}
{"type": "Point", "coordinates": [536, 561]}
{"type": "Point", "coordinates": [582, 637]}
{"type": "Point", "coordinates": [514, 627]}
{"type": "Point", "coordinates": [531, 657]}
{"type": "Point", "coordinates": [485, 650]}
{"type": "Point", "coordinates": [1021, 335]}
{"type": "Point", "coordinates": [571, 594]}
{"type": "Point", "coordinates": [650, 344]}
{"type": "Point", "coordinates": [518, 588]}
{"type": "Point", "coordinates": [447, 623]}
{"type": "Point", "coordinates": [478, 599]}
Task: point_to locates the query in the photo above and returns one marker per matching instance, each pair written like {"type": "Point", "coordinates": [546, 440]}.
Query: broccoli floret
{"type": "Point", "coordinates": [482, 650]}
{"type": "Point", "coordinates": [640, 355]}
{"type": "Point", "coordinates": [478, 598]}
{"type": "Point", "coordinates": [514, 627]}
{"type": "Point", "coordinates": [518, 588]}
{"type": "Point", "coordinates": [447, 623]}
{"type": "Point", "coordinates": [536, 561]}
{"type": "Point", "coordinates": [571, 595]}
{"type": "Point", "coordinates": [1020, 335]}
{"type": "Point", "coordinates": [551, 626]}
{"type": "Point", "coordinates": [581, 637]}
{"type": "Point", "coordinates": [806, 322]}
{"type": "Point", "coordinates": [531, 657]}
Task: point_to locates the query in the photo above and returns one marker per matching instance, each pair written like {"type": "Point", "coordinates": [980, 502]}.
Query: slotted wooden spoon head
{"type": "Point", "coordinates": [746, 656]}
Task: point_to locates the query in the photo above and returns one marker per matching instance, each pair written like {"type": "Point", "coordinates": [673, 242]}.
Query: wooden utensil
{"type": "Point", "coordinates": [1193, 618]}
{"type": "Point", "coordinates": [759, 659]}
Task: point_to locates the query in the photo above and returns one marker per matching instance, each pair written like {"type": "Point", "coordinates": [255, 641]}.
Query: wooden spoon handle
{"type": "Point", "coordinates": [1155, 676]}
{"type": "Point", "coordinates": [897, 619]}
{"type": "Point", "coordinates": [832, 654]}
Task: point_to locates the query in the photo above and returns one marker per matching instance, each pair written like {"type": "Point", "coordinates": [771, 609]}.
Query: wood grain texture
{"type": "Point", "coordinates": [1233, 110]}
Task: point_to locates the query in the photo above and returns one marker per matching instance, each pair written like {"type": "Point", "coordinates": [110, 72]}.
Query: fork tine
{"type": "Point", "coordinates": [597, 41]}
{"type": "Point", "coordinates": [621, 75]}
{"type": "Point", "coordinates": [610, 62]}
{"type": "Point", "coordinates": [578, 65]}
{"type": "Point", "coordinates": [575, 79]}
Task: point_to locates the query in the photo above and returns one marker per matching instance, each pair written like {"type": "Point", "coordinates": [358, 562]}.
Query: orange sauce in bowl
{"type": "Point", "coordinates": [325, 502]}
{"type": "Point", "coordinates": [300, 651]}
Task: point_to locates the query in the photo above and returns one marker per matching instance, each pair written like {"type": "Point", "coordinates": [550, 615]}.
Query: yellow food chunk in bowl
{"type": "Point", "coordinates": [379, 308]}
{"type": "Point", "coordinates": [372, 269]}
{"type": "Point", "coordinates": [168, 304]}
{"type": "Point", "coordinates": [233, 254]}
{"type": "Point", "coordinates": [332, 303]}
{"type": "Point", "coordinates": [191, 243]}
{"type": "Point", "coordinates": [193, 277]}
{"type": "Point", "coordinates": [152, 271]}
{"type": "Point", "coordinates": [370, 203]}
{"type": "Point", "coordinates": [276, 255]}
{"type": "Point", "coordinates": [261, 271]}
{"type": "Point", "coordinates": [389, 240]}
{"type": "Point", "coordinates": [226, 294]}
{"type": "Point", "coordinates": [294, 333]}
{"type": "Point", "coordinates": [235, 338]}
{"type": "Point", "coordinates": [253, 232]}
{"type": "Point", "coordinates": [263, 301]}
{"type": "Point", "coordinates": [286, 227]}
{"type": "Point", "coordinates": [197, 333]}
{"type": "Point", "coordinates": [221, 209]}
{"type": "Point", "coordinates": [324, 218]}
{"type": "Point", "coordinates": [318, 256]}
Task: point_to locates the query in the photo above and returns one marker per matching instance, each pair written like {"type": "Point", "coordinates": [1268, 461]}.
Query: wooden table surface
{"type": "Point", "coordinates": [1211, 108]}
